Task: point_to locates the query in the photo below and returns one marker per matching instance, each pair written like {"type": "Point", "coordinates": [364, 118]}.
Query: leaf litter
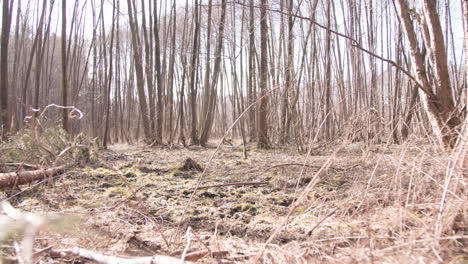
{"type": "Point", "coordinates": [378, 205]}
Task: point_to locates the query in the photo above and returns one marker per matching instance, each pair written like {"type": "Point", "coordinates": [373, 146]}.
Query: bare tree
{"type": "Point", "coordinates": [170, 75]}
{"type": "Point", "coordinates": [193, 72]}
{"type": "Point", "coordinates": [7, 6]}
{"type": "Point", "coordinates": [109, 76]}
{"type": "Point", "coordinates": [211, 102]}
{"type": "Point", "coordinates": [139, 72]}
{"type": "Point", "coordinates": [251, 79]}
{"type": "Point", "coordinates": [263, 141]}
{"type": "Point", "coordinates": [289, 78]}
{"type": "Point", "coordinates": [64, 66]}
{"type": "Point", "coordinates": [437, 98]}
{"type": "Point", "coordinates": [159, 77]}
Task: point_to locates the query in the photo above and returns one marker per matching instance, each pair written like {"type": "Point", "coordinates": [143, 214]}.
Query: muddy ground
{"type": "Point", "coordinates": [368, 204]}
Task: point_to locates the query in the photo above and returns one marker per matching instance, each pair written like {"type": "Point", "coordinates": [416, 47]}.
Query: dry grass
{"type": "Point", "coordinates": [377, 204]}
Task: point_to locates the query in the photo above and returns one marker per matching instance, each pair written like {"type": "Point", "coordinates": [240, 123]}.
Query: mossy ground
{"type": "Point", "coordinates": [146, 209]}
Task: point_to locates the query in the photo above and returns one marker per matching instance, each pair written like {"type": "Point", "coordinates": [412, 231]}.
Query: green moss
{"type": "Point", "coordinates": [177, 173]}
{"type": "Point", "coordinates": [130, 174]}
{"type": "Point", "coordinates": [117, 191]}
{"type": "Point", "coordinates": [245, 207]}
{"type": "Point", "coordinates": [300, 209]}
{"type": "Point", "coordinates": [334, 182]}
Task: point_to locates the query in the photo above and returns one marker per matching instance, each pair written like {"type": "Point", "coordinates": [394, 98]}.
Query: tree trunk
{"type": "Point", "coordinates": [289, 79]}
{"type": "Point", "coordinates": [160, 81]}
{"type": "Point", "coordinates": [170, 76]}
{"type": "Point", "coordinates": [193, 72]}
{"type": "Point", "coordinates": [148, 67]}
{"type": "Point", "coordinates": [109, 79]}
{"type": "Point", "coordinates": [438, 100]}
{"type": "Point", "coordinates": [252, 80]}
{"type": "Point", "coordinates": [4, 113]}
{"type": "Point", "coordinates": [64, 67]}
{"type": "Point", "coordinates": [263, 142]}
{"type": "Point", "coordinates": [22, 177]}
{"type": "Point", "coordinates": [214, 80]}
{"type": "Point", "coordinates": [206, 81]}
{"type": "Point", "coordinates": [139, 74]}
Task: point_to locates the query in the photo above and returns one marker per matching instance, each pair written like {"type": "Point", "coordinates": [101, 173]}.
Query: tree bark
{"type": "Point", "coordinates": [18, 178]}
{"type": "Point", "coordinates": [438, 100]}
{"type": "Point", "coordinates": [214, 80]}
{"type": "Point", "coordinates": [263, 142]}
{"type": "Point", "coordinates": [160, 81]}
{"type": "Point", "coordinates": [193, 69]}
{"type": "Point", "coordinates": [251, 81]}
{"type": "Point", "coordinates": [4, 113]}
{"type": "Point", "coordinates": [109, 79]}
{"type": "Point", "coordinates": [170, 76]}
{"type": "Point", "coordinates": [139, 73]}
{"type": "Point", "coordinates": [289, 79]}
{"type": "Point", "coordinates": [64, 67]}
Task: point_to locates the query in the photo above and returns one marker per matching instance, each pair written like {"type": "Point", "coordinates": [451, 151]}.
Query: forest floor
{"type": "Point", "coordinates": [357, 205]}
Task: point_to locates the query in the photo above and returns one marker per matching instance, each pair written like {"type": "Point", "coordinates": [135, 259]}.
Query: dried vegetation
{"type": "Point", "coordinates": [353, 203]}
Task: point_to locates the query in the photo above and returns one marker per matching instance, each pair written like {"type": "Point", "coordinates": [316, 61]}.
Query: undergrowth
{"type": "Point", "coordinates": [383, 203]}
{"type": "Point", "coordinates": [28, 146]}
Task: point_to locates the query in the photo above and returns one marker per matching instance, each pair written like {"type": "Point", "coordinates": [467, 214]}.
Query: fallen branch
{"type": "Point", "coordinates": [232, 184]}
{"type": "Point", "coordinates": [20, 164]}
{"type": "Point", "coordinates": [128, 197]}
{"type": "Point", "coordinates": [308, 166]}
{"type": "Point", "coordinates": [320, 222]}
{"type": "Point", "coordinates": [12, 179]}
{"type": "Point", "coordinates": [195, 256]}
{"type": "Point", "coordinates": [106, 259]}
{"type": "Point", "coordinates": [62, 153]}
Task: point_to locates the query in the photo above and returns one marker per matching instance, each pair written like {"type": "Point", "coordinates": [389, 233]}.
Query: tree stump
{"type": "Point", "coordinates": [191, 165]}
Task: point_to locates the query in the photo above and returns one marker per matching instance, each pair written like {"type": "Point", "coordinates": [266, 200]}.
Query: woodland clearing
{"type": "Point", "coordinates": [370, 204]}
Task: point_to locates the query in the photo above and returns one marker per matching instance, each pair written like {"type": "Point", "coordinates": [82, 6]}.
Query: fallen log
{"type": "Point", "coordinates": [109, 259]}
{"type": "Point", "coordinates": [12, 179]}
{"type": "Point", "coordinates": [195, 256]}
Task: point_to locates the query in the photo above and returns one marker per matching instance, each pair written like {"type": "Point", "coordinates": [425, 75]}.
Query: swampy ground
{"type": "Point", "coordinates": [351, 204]}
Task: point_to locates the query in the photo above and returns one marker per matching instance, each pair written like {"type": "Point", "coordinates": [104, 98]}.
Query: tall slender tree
{"type": "Point", "coordinates": [211, 102]}
{"type": "Point", "coordinates": [159, 77]}
{"type": "Point", "coordinates": [139, 71]}
{"type": "Point", "coordinates": [289, 77]}
{"type": "Point", "coordinates": [263, 141]}
{"type": "Point", "coordinates": [7, 6]}
{"type": "Point", "coordinates": [171, 74]}
{"type": "Point", "coordinates": [251, 79]}
{"type": "Point", "coordinates": [193, 73]}
{"type": "Point", "coordinates": [109, 76]}
{"type": "Point", "coordinates": [64, 67]}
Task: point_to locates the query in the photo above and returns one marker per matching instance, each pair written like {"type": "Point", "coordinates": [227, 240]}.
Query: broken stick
{"type": "Point", "coordinates": [231, 184]}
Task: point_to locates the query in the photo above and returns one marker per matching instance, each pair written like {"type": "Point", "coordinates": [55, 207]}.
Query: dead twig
{"type": "Point", "coordinates": [107, 259]}
{"type": "Point", "coordinates": [308, 166]}
{"type": "Point", "coordinates": [232, 184]}
{"type": "Point", "coordinates": [321, 221]}
{"type": "Point", "coordinates": [128, 197]}
{"type": "Point", "coordinates": [20, 164]}
{"type": "Point", "coordinates": [62, 153]}
{"type": "Point", "coordinates": [197, 255]}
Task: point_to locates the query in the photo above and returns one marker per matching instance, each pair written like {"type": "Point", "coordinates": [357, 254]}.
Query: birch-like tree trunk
{"type": "Point", "coordinates": [437, 98]}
